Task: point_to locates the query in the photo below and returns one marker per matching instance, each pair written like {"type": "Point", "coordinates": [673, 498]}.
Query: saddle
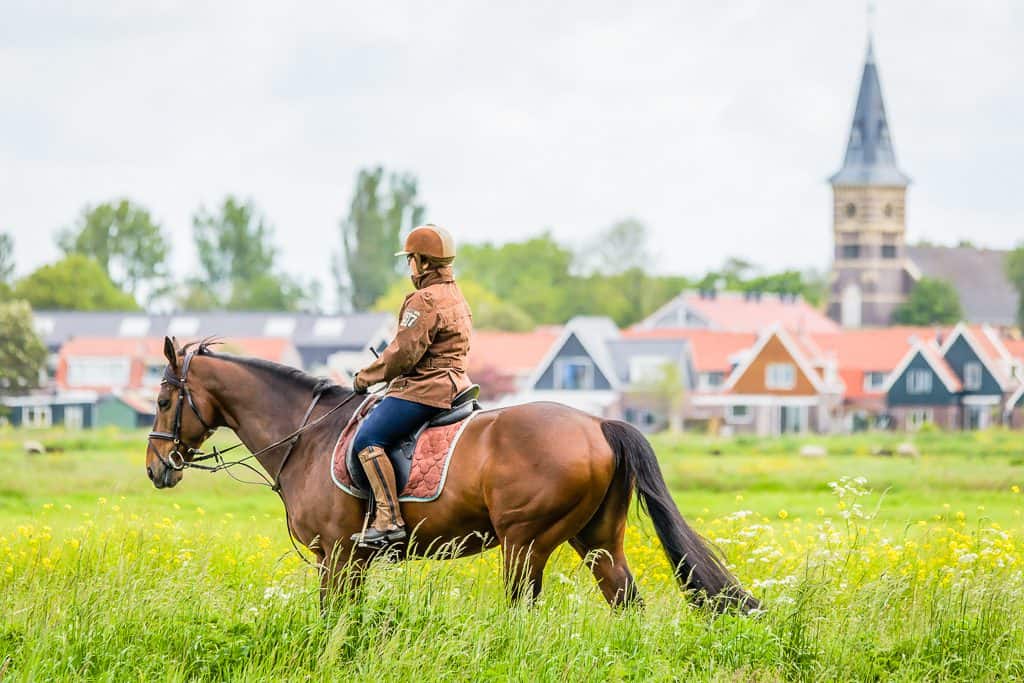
{"type": "Point", "coordinates": [420, 461]}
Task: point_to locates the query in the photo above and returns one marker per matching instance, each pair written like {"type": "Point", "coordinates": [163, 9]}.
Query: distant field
{"type": "Point", "coordinates": [912, 573]}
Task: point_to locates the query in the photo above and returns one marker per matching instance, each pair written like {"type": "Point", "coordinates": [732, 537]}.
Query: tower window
{"type": "Point", "coordinates": [850, 251]}
{"type": "Point", "coordinates": [888, 210]}
{"type": "Point", "coordinates": [851, 210]}
{"type": "Point", "coordinates": [888, 251]}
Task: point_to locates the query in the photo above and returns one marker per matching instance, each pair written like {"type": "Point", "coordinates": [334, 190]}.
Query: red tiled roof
{"type": "Point", "coordinates": [735, 312]}
{"type": "Point", "coordinates": [1015, 347]}
{"type": "Point", "coordinates": [713, 350]}
{"type": "Point", "coordinates": [876, 350]}
{"type": "Point", "coordinates": [512, 352]}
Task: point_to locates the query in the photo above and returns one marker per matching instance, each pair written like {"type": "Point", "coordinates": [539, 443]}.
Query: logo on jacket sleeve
{"type": "Point", "coordinates": [410, 317]}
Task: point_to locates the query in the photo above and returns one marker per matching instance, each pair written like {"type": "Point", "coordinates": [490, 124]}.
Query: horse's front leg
{"type": "Point", "coordinates": [342, 569]}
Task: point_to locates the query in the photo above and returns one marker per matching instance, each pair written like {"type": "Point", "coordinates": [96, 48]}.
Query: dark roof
{"type": "Point", "coordinates": [870, 156]}
{"type": "Point", "coordinates": [676, 351]}
{"type": "Point", "coordinates": [305, 330]}
{"type": "Point", "coordinates": [978, 275]}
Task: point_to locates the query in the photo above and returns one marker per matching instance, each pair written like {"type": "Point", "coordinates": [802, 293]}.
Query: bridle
{"type": "Point", "coordinates": [176, 460]}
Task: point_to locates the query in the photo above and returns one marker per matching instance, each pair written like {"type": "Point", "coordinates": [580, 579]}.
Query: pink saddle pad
{"type": "Point", "coordinates": [430, 460]}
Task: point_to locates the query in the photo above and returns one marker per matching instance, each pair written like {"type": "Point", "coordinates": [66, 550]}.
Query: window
{"type": "Point", "coordinates": [74, 417]}
{"type": "Point", "coordinates": [37, 416]}
{"type": "Point", "coordinates": [919, 382]}
{"type": "Point", "coordinates": [888, 210]}
{"type": "Point", "coordinates": [708, 381]}
{"type": "Point", "coordinates": [43, 326]}
{"type": "Point", "coordinates": [888, 251]}
{"type": "Point", "coordinates": [134, 327]}
{"type": "Point", "coordinates": [850, 251]}
{"type": "Point", "coordinates": [574, 374]}
{"type": "Point", "coordinates": [647, 369]}
{"type": "Point", "coordinates": [851, 210]}
{"type": "Point", "coordinates": [328, 327]}
{"type": "Point", "coordinates": [780, 376]}
{"type": "Point", "coordinates": [99, 372]}
{"type": "Point", "coordinates": [184, 327]}
{"type": "Point", "coordinates": [918, 417]}
{"type": "Point", "coordinates": [972, 375]}
{"type": "Point", "coordinates": [738, 414]}
{"type": "Point", "coordinates": [279, 327]}
{"type": "Point", "coordinates": [874, 381]}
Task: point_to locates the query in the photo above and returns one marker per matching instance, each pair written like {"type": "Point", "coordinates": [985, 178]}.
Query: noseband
{"type": "Point", "coordinates": [176, 459]}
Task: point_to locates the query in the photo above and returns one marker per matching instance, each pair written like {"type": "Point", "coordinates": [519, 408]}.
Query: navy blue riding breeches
{"type": "Point", "coordinates": [391, 421]}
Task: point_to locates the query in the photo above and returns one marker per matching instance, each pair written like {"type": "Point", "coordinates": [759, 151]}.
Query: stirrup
{"type": "Point", "coordinates": [375, 539]}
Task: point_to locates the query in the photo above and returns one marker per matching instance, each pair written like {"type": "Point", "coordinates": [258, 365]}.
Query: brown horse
{"type": "Point", "coordinates": [526, 478]}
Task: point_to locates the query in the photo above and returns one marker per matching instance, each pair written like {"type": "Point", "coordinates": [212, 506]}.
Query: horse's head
{"type": "Point", "coordinates": [186, 416]}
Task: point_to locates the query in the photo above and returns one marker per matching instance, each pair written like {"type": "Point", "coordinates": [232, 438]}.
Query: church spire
{"type": "Point", "coordinates": [870, 157]}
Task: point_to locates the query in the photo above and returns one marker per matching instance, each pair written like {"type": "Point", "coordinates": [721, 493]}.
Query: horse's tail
{"type": "Point", "coordinates": [695, 564]}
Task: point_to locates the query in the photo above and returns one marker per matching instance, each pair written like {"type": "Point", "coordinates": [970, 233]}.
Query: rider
{"type": "Point", "coordinates": [426, 365]}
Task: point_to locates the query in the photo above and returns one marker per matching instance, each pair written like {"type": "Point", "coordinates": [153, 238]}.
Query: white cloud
{"type": "Point", "coordinates": [715, 125]}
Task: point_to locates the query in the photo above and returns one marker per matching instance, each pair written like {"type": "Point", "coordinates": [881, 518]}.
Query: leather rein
{"type": "Point", "coordinates": [176, 459]}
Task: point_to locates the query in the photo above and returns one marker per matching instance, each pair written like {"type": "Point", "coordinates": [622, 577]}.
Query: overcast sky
{"type": "Point", "coordinates": [715, 123]}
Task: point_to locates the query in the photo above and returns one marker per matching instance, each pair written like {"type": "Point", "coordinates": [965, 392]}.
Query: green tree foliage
{"type": "Point", "coordinates": [372, 233]}
{"type": "Point", "coordinates": [124, 240]}
{"type": "Point", "coordinates": [489, 312]}
{"type": "Point", "coordinates": [1015, 272]}
{"type": "Point", "coordinates": [22, 353]}
{"type": "Point", "coordinates": [534, 275]}
{"type": "Point", "coordinates": [931, 302]}
{"type": "Point", "coordinates": [74, 283]}
{"type": "Point", "coordinates": [237, 258]}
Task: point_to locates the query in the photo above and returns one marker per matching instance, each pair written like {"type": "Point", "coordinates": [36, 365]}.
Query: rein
{"type": "Point", "coordinates": [176, 460]}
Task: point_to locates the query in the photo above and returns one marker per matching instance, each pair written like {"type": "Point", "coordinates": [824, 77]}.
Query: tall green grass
{"type": "Point", "coordinates": [112, 580]}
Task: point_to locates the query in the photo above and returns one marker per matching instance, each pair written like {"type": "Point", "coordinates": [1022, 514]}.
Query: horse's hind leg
{"type": "Point", "coordinates": [600, 545]}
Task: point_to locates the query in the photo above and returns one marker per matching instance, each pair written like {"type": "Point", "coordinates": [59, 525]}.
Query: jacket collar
{"type": "Point", "coordinates": [433, 277]}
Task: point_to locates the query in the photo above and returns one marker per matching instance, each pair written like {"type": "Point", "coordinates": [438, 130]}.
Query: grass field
{"type": "Point", "coordinates": [869, 567]}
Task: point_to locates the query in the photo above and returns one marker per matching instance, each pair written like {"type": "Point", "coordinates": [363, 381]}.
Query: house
{"type": "Point", "coordinates": [315, 337]}
{"type": "Point", "coordinates": [782, 385]}
{"type": "Point", "coordinates": [749, 312]}
{"type": "Point", "coordinates": [71, 409]}
{"type": "Point", "coordinates": [592, 367]}
{"type": "Point", "coordinates": [502, 362]}
{"type": "Point", "coordinates": [864, 359]}
{"type": "Point", "coordinates": [984, 368]}
{"type": "Point", "coordinates": [108, 365]}
{"type": "Point", "coordinates": [923, 388]}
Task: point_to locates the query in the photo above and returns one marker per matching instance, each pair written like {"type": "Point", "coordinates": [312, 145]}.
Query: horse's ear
{"type": "Point", "coordinates": [171, 352]}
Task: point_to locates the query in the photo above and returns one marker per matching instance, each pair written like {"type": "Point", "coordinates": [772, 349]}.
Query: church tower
{"type": "Point", "coordinates": [869, 225]}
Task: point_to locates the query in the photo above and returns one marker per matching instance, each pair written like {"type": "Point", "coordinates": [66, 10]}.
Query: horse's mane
{"type": "Point", "coordinates": [282, 372]}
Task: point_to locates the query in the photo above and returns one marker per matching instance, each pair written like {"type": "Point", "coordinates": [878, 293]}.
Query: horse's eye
{"type": "Point", "coordinates": [163, 403]}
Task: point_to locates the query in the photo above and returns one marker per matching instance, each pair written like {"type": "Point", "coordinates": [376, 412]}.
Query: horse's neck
{"type": "Point", "coordinates": [259, 410]}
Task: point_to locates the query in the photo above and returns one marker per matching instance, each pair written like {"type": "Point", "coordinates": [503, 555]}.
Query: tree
{"type": "Point", "coordinates": [6, 265]}
{"type": "Point", "coordinates": [75, 283]}
{"type": "Point", "coordinates": [124, 240]}
{"type": "Point", "coordinates": [237, 260]}
{"type": "Point", "coordinates": [1015, 273]}
{"type": "Point", "coordinates": [931, 302]}
{"type": "Point", "coordinates": [22, 353]}
{"type": "Point", "coordinates": [372, 233]}
{"type": "Point", "coordinates": [6, 258]}
{"type": "Point", "coordinates": [489, 312]}
{"type": "Point", "coordinates": [620, 248]}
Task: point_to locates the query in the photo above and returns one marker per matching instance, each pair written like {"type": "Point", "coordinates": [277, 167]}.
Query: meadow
{"type": "Point", "coordinates": [868, 568]}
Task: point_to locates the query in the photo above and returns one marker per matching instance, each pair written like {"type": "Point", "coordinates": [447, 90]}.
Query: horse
{"type": "Point", "coordinates": [525, 478]}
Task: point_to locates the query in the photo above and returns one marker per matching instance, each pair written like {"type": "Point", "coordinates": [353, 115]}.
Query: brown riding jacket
{"type": "Point", "coordinates": [427, 357]}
